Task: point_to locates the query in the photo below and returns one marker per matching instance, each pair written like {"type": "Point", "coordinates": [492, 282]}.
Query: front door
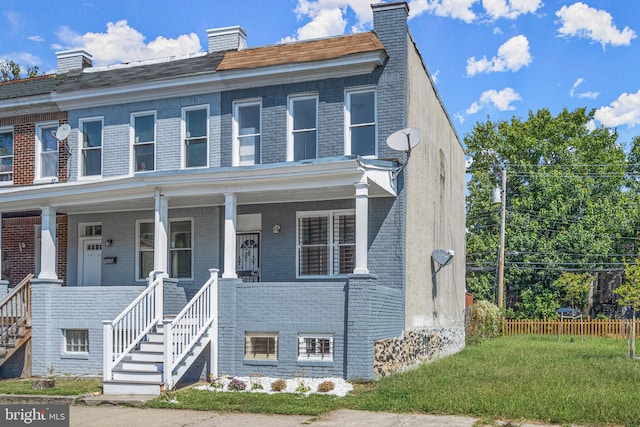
{"type": "Point", "coordinates": [91, 262]}
{"type": "Point", "coordinates": [248, 257]}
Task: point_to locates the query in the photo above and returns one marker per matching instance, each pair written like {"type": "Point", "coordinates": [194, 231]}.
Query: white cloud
{"type": "Point", "coordinates": [580, 20]}
{"type": "Point", "coordinates": [499, 99]}
{"type": "Point", "coordinates": [512, 55]}
{"type": "Point", "coordinates": [327, 18]}
{"type": "Point", "coordinates": [325, 23]}
{"type": "Point", "coordinates": [36, 38]}
{"type": "Point", "coordinates": [510, 9]}
{"type": "Point", "coordinates": [14, 20]}
{"type": "Point", "coordinates": [588, 94]}
{"type": "Point", "coordinates": [623, 111]}
{"type": "Point", "coordinates": [121, 43]}
{"type": "Point", "coordinates": [457, 9]}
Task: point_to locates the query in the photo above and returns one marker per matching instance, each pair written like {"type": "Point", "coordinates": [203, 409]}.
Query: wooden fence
{"type": "Point", "coordinates": [612, 328]}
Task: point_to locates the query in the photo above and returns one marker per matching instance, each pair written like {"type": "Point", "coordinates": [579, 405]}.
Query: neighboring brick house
{"type": "Point", "coordinates": [29, 155]}
{"type": "Point", "coordinates": [270, 164]}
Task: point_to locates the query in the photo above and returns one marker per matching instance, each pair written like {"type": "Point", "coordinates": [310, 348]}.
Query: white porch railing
{"type": "Point", "coordinates": [182, 333]}
{"type": "Point", "coordinates": [125, 332]}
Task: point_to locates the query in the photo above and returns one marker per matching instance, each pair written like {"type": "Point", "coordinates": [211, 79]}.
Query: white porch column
{"type": "Point", "coordinates": [362, 226]}
{"type": "Point", "coordinates": [48, 244]}
{"type": "Point", "coordinates": [161, 231]}
{"type": "Point", "coordinates": [230, 207]}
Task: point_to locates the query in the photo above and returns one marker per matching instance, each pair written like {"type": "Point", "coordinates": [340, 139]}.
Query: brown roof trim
{"type": "Point", "coordinates": [308, 51]}
{"type": "Point", "coordinates": [28, 79]}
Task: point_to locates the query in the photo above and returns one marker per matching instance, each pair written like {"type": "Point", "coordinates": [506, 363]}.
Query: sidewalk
{"type": "Point", "coordinates": [116, 411]}
{"type": "Point", "coordinates": [119, 416]}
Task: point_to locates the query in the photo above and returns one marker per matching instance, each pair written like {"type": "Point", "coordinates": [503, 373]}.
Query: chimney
{"type": "Point", "coordinates": [76, 59]}
{"type": "Point", "coordinates": [390, 17]}
{"type": "Point", "coordinates": [227, 38]}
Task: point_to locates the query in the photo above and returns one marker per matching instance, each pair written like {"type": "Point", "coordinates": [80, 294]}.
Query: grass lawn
{"type": "Point", "coordinates": [65, 386]}
{"type": "Point", "coordinates": [537, 378]}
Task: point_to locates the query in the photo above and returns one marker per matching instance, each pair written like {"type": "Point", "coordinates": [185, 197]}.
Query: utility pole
{"type": "Point", "coordinates": [503, 215]}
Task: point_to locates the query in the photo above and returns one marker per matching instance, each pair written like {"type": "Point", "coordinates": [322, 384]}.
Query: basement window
{"type": "Point", "coordinates": [261, 346]}
{"type": "Point", "coordinates": [76, 340]}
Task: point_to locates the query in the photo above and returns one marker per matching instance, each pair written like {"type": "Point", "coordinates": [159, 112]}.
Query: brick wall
{"type": "Point", "coordinates": [24, 144]}
{"type": "Point", "coordinates": [19, 243]}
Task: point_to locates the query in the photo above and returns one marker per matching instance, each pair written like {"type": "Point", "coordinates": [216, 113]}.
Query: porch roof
{"type": "Point", "coordinates": [321, 179]}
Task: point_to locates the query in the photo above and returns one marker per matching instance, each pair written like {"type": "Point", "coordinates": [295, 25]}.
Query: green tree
{"type": "Point", "coordinates": [629, 293]}
{"type": "Point", "coordinates": [569, 204]}
{"type": "Point", "coordinates": [576, 288]}
{"type": "Point", "coordinates": [10, 70]}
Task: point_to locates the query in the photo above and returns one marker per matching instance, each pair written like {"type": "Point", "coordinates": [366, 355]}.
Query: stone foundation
{"type": "Point", "coordinates": [414, 347]}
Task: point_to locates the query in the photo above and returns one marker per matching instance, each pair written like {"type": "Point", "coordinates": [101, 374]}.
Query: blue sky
{"type": "Point", "coordinates": [489, 58]}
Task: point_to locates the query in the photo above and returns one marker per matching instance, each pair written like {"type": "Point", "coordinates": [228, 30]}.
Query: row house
{"type": "Point", "coordinates": [239, 211]}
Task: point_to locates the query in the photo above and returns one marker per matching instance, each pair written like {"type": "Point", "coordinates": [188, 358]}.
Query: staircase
{"type": "Point", "coordinates": [15, 320]}
{"type": "Point", "coordinates": [159, 350]}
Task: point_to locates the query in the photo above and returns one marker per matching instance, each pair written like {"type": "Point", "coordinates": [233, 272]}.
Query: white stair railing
{"type": "Point", "coordinates": [182, 333]}
{"type": "Point", "coordinates": [125, 332]}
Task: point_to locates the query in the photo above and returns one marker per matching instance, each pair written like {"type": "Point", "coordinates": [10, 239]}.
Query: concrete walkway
{"type": "Point", "coordinates": [118, 416]}
{"type": "Point", "coordinates": [127, 411]}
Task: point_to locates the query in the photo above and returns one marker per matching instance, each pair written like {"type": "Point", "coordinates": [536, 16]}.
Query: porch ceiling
{"type": "Point", "coordinates": [264, 184]}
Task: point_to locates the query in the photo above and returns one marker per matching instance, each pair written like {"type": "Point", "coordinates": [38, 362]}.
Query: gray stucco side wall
{"type": "Point", "coordinates": [56, 308]}
{"type": "Point", "coordinates": [435, 186]}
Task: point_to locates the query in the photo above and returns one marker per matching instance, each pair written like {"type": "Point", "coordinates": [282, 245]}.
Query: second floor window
{"type": "Point", "coordinates": [144, 138]}
{"type": "Point", "coordinates": [47, 152]}
{"type": "Point", "coordinates": [247, 133]}
{"type": "Point", "coordinates": [91, 147]}
{"type": "Point", "coordinates": [303, 120]}
{"type": "Point", "coordinates": [196, 137]}
{"type": "Point", "coordinates": [361, 120]}
{"type": "Point", "coordinates": [6, 155]}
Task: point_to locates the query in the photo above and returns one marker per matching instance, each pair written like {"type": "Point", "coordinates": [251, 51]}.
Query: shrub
{"type": "Point", "coordinates": [278, 385]}
{"type": "Point", "coordinates": [237, 384]}
{"type": "Point", "coordinates": [325, 386]}
{"type": "Point", "coordinates": [303, 388]}
{"type": "Point", "coordinates": [484, 321]}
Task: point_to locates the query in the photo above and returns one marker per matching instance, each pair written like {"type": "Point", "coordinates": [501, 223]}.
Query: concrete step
{"type": "Point", "coordinates": [137, 376]}
{"type": "Point", "coordinates": [152, 346]}
{"type": "Point", "coordinates": [146, 356]}
{"type": "Point", "coordinates": [155, 337]}
{"type": "Point", "coordinates": [138, 365]}
{"type": "Point", "coordinates": [131, 387]}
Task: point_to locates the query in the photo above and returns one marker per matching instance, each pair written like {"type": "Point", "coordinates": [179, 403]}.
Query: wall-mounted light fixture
{"type": "Point", "coordinates": [108, 242]}
{"type": "Point", "coordinates": [276, 229]}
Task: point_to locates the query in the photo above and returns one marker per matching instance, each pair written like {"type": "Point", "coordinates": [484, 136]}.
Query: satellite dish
{"type": "Point", "coordinates": [63, 132]}
{"type": "Point", "coordinates": [443, 257]}
{"type": "Point", "coordinates": [404, 139]}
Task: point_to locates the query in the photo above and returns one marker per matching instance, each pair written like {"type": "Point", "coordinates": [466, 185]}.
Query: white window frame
{"type": "Point", "coordinates": [290, 119]}
{"type": "Point", "coordinates": [347, 118]}
{"type": "Point", "coordinates": [138, 249]}
{"type": "Point", "coordinates": [303, 355]}
{"type": "Point", "coordinates": [82, 343]}
{"type": "Point", "coordinates": [169, 249]}
{"type": "Point", "coordinates": [39, 178]}
{"type": "Point", "coordinates": [191, 249]}
{"type": "Point", "coordinates": [81, 150]}
{"type": "Point", "coordinates": [235, 145]}
{"type": "Point", "coordinates": [184, 136]}
{"type": "Point", "coordinates": [134, 144]}
{"type": "Point", "coordinates": [331, 245]}
{"type": "Point", "coordinates": [9, 129]}
{"type": "Point", "coordinates": [267, 335]}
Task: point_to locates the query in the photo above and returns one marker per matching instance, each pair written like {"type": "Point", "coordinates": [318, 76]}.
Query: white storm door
{"type": "Point", "coordinates": [91, 262]}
